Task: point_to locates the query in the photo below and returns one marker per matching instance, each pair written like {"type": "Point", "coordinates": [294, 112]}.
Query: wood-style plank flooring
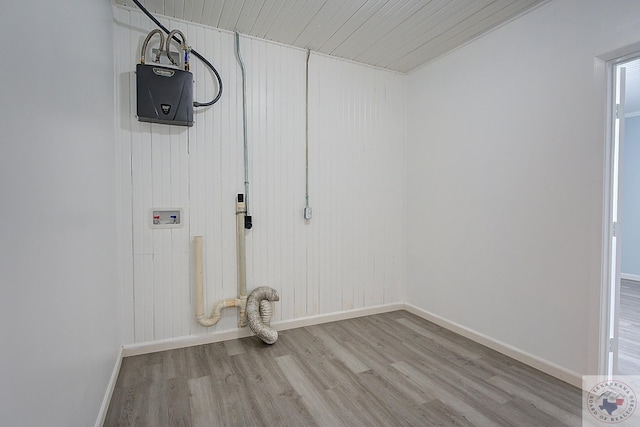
{"type": "Point", "coordinates": [629, 328]}
{"type": "Point", "coordinates": [392, 369]}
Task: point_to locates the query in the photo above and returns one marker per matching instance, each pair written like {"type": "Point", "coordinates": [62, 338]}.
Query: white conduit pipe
{"type": "Point", "coordinates": [244, 127]}
{"type": "Point", "coordinates": [307, 208]}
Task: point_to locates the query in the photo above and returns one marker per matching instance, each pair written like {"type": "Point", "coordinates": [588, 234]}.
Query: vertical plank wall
{"type": "Point", "coordinates": [350, 255]}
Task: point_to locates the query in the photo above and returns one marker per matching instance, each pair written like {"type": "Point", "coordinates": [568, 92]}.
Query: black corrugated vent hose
{"type": "Point", "coordinates": [193, 51]}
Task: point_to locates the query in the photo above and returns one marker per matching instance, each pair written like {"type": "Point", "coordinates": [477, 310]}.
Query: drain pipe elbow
{"type": "Point", "coordinates": [256, 322]}
{"type": "Point", "coordinates": [217, 311]}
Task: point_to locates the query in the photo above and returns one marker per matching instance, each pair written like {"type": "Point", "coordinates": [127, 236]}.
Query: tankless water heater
{"type": "Point", "coordinates": [164, 94]}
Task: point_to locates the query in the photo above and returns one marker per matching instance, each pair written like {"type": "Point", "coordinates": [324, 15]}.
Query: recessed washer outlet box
{"type": "Point", "coordinates": [166, 217]}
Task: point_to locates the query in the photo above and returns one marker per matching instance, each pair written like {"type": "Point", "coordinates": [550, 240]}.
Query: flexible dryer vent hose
{"type": "Point", "coordinates": [259, 315]}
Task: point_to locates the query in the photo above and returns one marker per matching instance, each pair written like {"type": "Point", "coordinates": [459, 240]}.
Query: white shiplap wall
{"type": "Point", "coordinates": [350, 255]}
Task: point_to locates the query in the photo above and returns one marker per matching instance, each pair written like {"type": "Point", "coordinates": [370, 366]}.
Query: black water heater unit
{"type": "Point", "coordinates": [165, 95]}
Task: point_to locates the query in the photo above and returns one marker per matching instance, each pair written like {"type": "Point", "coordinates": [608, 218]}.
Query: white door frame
{"type": "Point", "coordinates": [610, 291]}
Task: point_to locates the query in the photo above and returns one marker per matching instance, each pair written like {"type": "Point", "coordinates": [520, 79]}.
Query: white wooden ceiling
{"type": "Point", "coordinates": [394, 34]}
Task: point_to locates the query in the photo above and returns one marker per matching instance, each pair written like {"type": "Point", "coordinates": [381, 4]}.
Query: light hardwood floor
{"type": "Point", "coordinates": [629, 328]}
{"type": "Point", "coordinates": [382, 370]}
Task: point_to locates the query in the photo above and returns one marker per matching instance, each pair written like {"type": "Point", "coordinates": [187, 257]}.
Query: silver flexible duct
{"type": "Point", "coordinates": [265, 312]}
{"type": "Point", "coordinates": [255, 317]}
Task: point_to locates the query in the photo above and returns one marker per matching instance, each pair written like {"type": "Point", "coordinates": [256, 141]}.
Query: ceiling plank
{"type": "Point", "coordinates": [471, 28]}
{"type": "Point", "coordinates": [179, 9]}
{"type": "Point", "coordinates": [333, 15]}
{"type": "Point", "coordinates": [250, 11]}
{"type": "Point", "coordinates": [268, 15]}
{"type": "Point", "coordinates": [394, 34]}
{"type": "Point", "coordinates": [230, 14]}
{"type": "Point", "coordinates": [169, 8]}
{"type": "Point", "coordinates": [207, 10]}
{"type": "Point", "coordinates": [423, 20]}
{"type": "Point", "coordinates": [419, 32]}
{"type": "Point", "coordinates": [380, 24]}
{"type": "Point", "coordinates": [192, 10]}
{"type": "Point", "coordinates": [216, 11]}
{"type": "Point", "coordinates": [352, 24]}
{"type": "Point", "coordinates": [297, 21]}
{"type": "Point", "coordinates": [284, 22]}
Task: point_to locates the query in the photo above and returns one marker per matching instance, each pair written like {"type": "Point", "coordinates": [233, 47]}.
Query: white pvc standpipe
{"type": "Point", "coordinates": [241, 300]}
{"type": "Point", "coordinates": [199, 275]}
{"type": "Point", "coordinates": [241, 211]}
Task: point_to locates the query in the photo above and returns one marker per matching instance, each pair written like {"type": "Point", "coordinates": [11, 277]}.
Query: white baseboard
{"type": "Point", "coordinates": [102, 414]}
{"type": "Point", "coordinates": [191, 340]}
{"type": "Point", "coordinates": [181, 342]}
{"type": "Point", "coordinates": [632, 277]}
{"type": "Point", "coordinates": [339, 315]}
{"type": "Point", "coordinates": [536, 362]}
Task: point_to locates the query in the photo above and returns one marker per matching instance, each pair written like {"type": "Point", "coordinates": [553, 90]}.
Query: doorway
{"type": "Point", "coordinates": [623, 219]}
